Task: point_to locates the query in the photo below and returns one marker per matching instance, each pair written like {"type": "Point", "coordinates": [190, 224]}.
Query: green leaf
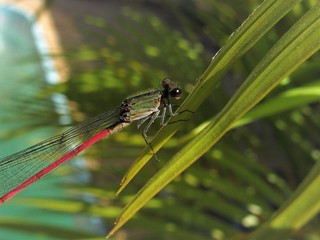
{"type": "Point", "coordinates": [257, 24]}
{"type": "Point", "coordinates": [292, 50]}
{"type": "Point", "coordinates": [285, 101]}
{"type": "Point", "coordinates": [301, 207]}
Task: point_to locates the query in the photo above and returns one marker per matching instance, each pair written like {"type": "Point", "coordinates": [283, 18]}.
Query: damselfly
{"type": "Point", "coordinates": [19, 170]}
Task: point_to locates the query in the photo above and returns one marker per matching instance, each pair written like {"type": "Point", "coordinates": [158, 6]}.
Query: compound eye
{"type": "Point", "coordinates": [176, 93]}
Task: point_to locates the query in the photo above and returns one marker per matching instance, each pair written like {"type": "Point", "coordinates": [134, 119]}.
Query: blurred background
{"type": "Point", "coordinates": [62, 62]}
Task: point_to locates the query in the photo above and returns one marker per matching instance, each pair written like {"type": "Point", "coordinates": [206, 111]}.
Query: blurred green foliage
{"type": "Point", "coordinates": [248, 175]}
{"type": "Point", "coordinates": [241, 182]}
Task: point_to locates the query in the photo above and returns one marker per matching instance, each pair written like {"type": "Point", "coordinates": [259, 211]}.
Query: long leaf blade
{"type": "Point", "coordinates": [257, 24]}
{"type": "Point", "coordinates": [294, 48]}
